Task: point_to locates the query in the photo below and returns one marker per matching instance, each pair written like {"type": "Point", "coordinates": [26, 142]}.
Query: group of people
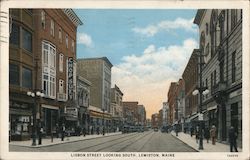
{"type": "Point", "coordinates": [211, 134]}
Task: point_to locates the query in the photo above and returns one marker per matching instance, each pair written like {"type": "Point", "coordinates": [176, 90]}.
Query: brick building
{"type": "Point", "coordinates": [130, 112]}
{"type": "Point", "coordinates": [42, 49]}
{"type": "Point", "coordinates": [155, 120]}
{"type": "Point", "coordinates": [171, 102]}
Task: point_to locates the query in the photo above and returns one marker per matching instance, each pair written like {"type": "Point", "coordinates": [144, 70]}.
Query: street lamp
{"type": "Point", "coordinates": [103, 122]}
{"type": "Point", "coordinates": [34, 95]}
{"type": "Point", "coordinates": [201, 91]}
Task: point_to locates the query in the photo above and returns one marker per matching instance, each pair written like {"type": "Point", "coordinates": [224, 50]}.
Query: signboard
{"type": "Point", "coordinates": [70, 78]}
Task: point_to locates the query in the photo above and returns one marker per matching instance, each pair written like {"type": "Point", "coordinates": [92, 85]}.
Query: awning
{"type": "Point", "coordinates": [71, 118]}
{"type": "Point", "coordinates": [49, 106]}
{"type": "Point", "coordinates": [193, 117]}
{"type": "Point", "coordinates": [212, 107]}
{"type": "Point", "coordinates": [20, 112]}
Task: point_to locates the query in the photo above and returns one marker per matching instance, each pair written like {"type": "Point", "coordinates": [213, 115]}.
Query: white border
{"type": "Point", "coordinates": [139, 4]}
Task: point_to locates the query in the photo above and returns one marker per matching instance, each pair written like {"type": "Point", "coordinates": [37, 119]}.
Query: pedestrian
{"type": "Point", "coordinates": [197, 134]}
{"type": "Point", "coordinates": [40, 136]}
{"type": "Point", "coordinates": [213, 134]}
{"type": "Point", "coordinates": [84, 131]}
{"type": "Point", "coordinates": [206, 134]}
{"type": "Point", "coordinates": [97, 130]}
{"type": "Point", "coordinates": [232, 139]}
{"type": "Point", "coordinates": [57, 130]}
{"type": "Point", "coordinates": [192, 131]}
{"type": "Point", "coordinates": [63, 131]}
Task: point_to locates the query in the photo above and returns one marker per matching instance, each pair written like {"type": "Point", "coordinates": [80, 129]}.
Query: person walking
{"type": "Point", "coordinates": [84, 131]}
{"type": "Point", "coordinates": [197, 134]}
{"type": "Point", "coordinates": [206, 134]}
{"type": "Point", "coordinates": [192, 131]}
{"type": "Point", "coordinates": [232, 139]}
{"type": "Point", "coordinates": [63, 131]}
{"type": "Point", "coordinates": [213, 134]}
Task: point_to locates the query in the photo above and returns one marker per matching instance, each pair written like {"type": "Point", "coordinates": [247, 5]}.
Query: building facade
{"type": "Point", "coordinates": [191, 101]}
{"type": "Point", "coordinates": [220, 32]}
{"type": "Point", "coordinates": [130, 112]}
{"type": "Point", "coordinates": [116, 109]}
{"type": "Point", "coordinates": [38, 40]}
{"type": "Point", "coordinates": [155, 120]}
{"type": "Point", "coordinates": [83, 99]}
{"type": "Point", "coordinates": [98, 72]}
{"type": "Point", "coordinates": [141, 115]}
{"type": "Point", "coordinates": [171, 102]}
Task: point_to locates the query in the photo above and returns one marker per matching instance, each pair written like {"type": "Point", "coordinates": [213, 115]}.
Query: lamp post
{"type": "Point", "coordinates": [36, 94]}
{"type": "Point", "coordinates": [103, 122]}
{"type": "Point", "coordinates": [201, 91]}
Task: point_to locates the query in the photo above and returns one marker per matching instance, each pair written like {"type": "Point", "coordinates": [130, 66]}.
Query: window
{"type": "Point", "coordinates": [213, 24]}
{"type": "Point", "coordinates": [49, 53]}
{"type": "Point", "coordinates": [14, 74]}
{"type": "Point", "coordinates": [221, 21]}
{"type": "Point", "coordinates": [214, 77]}
{"type": "Point", "coordinates": [61, 62]}
{"type": "Point", "coordinates": [15, 34]}
{"type": "Point", "coordinates": [73, 46]}
{"type": "Point", "coordinates": [222, 71]}
{"type": "Point", "coordinates": [49, 73]}
{"type": "Point", "coordinates": [49, 85]}
{"type": "Point", "coordinates": [67, 41]}
{"type": "Point", "coordinates": [206, 28]}
{"type": "Point", "coordinates": [60, 35]}
{"type": "Point", "coordinates": [26, 78]}
{"type": "Point", "coordinates": [233, 66]}
{"type": "Point", "coordinates": [61, 82]}
{"type": "Point", "coordinates": [233, 18]}
{"type": "Point", "coordinates": [52, 28]}
{"type": "Point", "coordinates": [27, 40]}
{"type": "Point", "coordinates": [43, 19]}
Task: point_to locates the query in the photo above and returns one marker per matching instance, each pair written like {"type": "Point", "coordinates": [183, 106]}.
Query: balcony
{"type": "Point", "coordinates": [61, 97]}
{"type": "Point", "coordinates": [218, 91]}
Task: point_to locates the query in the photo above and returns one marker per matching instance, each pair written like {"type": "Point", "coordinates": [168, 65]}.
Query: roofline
{"type": "Point", "coordinates": [72, 16]}
{"type": "Point", "coordinates": [198, 16]}
{"type": "Point", "coordinates": [84, 80]}
{"type": "Point", "coordinates": [192, 55]}
{"type": "Point", "coordinates": [101, 58]}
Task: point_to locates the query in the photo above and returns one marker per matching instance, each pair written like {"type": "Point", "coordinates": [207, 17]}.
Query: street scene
{"type": "Point", "coordinates": [125, 80]}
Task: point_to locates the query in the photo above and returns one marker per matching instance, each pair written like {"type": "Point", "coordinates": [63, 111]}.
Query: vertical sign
{"type": "Point", "coordinates": [70, 78]}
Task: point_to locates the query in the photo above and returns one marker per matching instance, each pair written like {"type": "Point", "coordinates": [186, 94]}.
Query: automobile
{"type": "Point", "coordinates": [164, 129]}
{"type": "Point", "coordinates": [156, 129]}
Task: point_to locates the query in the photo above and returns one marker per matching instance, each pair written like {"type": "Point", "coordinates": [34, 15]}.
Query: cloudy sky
{"type": "Point", "coordinates": [148, 48]}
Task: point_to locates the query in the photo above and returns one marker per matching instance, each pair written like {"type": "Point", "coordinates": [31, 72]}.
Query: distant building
{"type": "Point", "coordinates": [165, 110]}
{"type": "Point", "coordinates": [98, 72]}
{"type": "Point", "coordinates": [160, 118]}
{"type": "Point", "coordinates": [142, 115]}
{"type": "Point", "coordinates": [155, 120]}
{"type": "Point", "coordinates": [116, 109]}
{"type": "Point", "coordinates": [130, 112]}
{"type": "Point", "coordinates": [171, 102]}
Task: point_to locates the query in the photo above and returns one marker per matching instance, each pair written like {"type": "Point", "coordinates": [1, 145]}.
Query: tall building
{"type": "Point", "coordinates": [98, 72]}
{"type": "Point", "coordinates": [165, 111]}
{"type": "Point", "coordinates": [116, 109]}
{"type": "Point", "coordinates": [220, 32]}
{"type": "Point", "coordinates": [155, 120]}
{"type": "Point", "coordinates": [190, 77]}
{"type": "Point", "coordinates": [42, 58]}
{"type": "Point", "coordinates": [141, 115]}
{"type": "Point", "coordinates": [171, 102]}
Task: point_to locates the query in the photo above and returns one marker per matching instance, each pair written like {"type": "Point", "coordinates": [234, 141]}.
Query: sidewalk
{"type": "Point", "coordinates": [47, 141]}
{"type": "Point", "coordinates": [208, 147]}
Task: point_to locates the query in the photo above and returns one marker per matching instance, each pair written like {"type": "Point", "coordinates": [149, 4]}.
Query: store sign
{"type": "Point", "coordinates": [70, 78]}
{"type": "Point", "coordinates": [71, 111]}
{"type": "Point", "coordinates": [200, 117]}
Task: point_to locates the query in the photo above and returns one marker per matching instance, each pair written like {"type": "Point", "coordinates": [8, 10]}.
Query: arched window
{"type": "Point", "coordinates": [213, 23]}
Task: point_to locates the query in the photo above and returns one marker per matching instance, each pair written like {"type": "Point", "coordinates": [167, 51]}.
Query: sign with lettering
{"type": "Point", "coordinates": [70, 78]}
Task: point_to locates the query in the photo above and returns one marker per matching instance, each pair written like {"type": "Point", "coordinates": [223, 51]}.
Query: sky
{"type": "Point", "coordinates": [148, 48]}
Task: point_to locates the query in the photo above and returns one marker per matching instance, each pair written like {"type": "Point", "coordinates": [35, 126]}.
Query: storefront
{"type": "Point", "coordinates": [20, 121]}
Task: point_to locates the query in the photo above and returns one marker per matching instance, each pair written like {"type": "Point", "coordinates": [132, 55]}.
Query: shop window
{"type": "Point", "coordinates": [15, 34]}
{"type": "Point", "coordinates": [43, 19]}
{"type": "Point", "coordinates": [26, 78]}
{"type": "Point", "coordinates": [14, 74]}
{"type": "Point", "coordinates": [27, 40]}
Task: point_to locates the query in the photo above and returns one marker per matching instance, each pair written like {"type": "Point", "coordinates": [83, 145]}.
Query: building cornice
{"type": "Point", "coordinates": [73, 17]}
{"type": "Point", "coordinates": [198, 16]}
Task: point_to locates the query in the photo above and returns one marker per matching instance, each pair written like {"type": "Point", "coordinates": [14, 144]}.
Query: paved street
{"type": "Point", "coordinates": [133, 142]}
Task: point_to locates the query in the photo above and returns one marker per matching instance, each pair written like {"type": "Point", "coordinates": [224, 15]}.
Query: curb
{"type": "Point", "coordinates": [64, 142]}
{"type": "Point", "coordinates": [185, 143]}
